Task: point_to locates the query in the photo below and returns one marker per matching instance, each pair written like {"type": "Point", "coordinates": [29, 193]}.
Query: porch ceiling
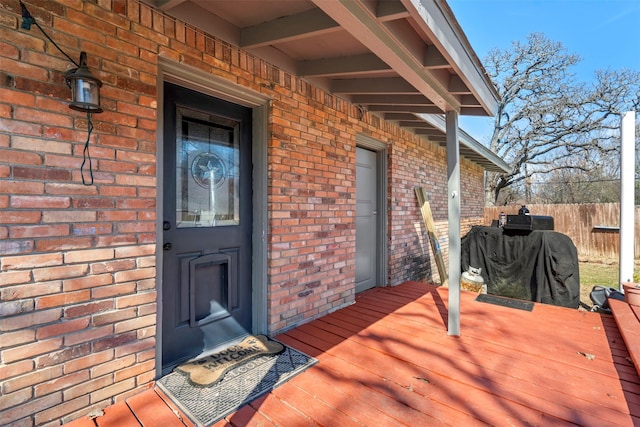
{"type": "Point", "coordinates": [395, 58]}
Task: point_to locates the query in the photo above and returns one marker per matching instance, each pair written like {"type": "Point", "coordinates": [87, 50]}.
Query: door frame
{"type": "Point", "coordinates": [381, 150]}
{"type": "Point", "coordinates": [218, 87]}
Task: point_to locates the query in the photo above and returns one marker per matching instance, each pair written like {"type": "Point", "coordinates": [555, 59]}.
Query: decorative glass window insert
{"type": "Point", "coordinates": [207, 170]}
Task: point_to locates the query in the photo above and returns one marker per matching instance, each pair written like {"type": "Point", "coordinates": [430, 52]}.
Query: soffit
{"type": "Point", "coordinates": [388, 56]}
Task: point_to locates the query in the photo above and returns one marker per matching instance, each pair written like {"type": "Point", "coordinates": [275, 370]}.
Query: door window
{"type": "Point", "coordinates": [207, 166]}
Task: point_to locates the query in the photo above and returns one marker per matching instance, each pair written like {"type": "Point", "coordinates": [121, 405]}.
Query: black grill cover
{"type": "Point", "coordinates": [540, 266]}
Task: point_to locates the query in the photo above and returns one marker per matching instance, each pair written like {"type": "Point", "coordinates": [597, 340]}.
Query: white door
{"type": "Point", "coordinates": [366, 219]}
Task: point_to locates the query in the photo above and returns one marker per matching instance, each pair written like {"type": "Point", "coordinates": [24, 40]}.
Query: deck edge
{"type": "Point", "coordinates": [629, 325]}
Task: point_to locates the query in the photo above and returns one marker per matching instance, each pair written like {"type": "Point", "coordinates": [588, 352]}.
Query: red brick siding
{"type": "Point", "coordinates": [77, 293]}
{"type": "Point", "coordinates": [77, 274]}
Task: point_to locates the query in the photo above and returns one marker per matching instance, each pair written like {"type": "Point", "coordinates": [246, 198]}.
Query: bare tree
{"type": "Point", "coordinates": [572, 185]}
{"type": "Point", "coordinates": [547, 119]}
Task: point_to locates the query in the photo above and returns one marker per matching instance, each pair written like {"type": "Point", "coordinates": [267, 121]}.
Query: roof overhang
{"type": "Point", "coordinates": [389, 57]}
{"type": "Point", "coordinates": [470, 148]}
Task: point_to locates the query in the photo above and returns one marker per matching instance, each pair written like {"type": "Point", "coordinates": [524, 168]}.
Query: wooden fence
{"type": "Point", "coordinates": [592, 227]}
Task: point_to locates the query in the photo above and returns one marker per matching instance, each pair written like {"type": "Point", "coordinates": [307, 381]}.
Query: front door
{"type": "Point", "coordinates": [366, 219]}
{"type": "Point", "coordinates": [207, 221]}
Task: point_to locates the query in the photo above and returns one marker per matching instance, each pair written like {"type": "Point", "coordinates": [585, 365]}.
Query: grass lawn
{"type": "Point", "coordinates": [593, 274]}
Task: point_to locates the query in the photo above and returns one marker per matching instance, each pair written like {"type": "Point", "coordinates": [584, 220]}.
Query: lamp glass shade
{"type": "Point", "coordinates": [85, 88]}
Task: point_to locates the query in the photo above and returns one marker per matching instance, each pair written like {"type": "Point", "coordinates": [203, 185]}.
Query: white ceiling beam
{"type": "Point", "coordinates": [383, 85]}
{"type": "Point", "coordinates": [457, 86]}
{"type": "Point", "coordinates": [195, 15]}
{"type": "Point", "coordinates": [473, 111]}
{"type": "Point", "coordinates": [411, 41]}
{"type": "Point", "coordinates": [415, 125]}
{"type": "Point", "coordinates": [434, 59]}
{"type": "Point", "coordinates": [312, 22]}
{"type": "Point", "coordinates": [355, 17]}
{"type": "Point", "coordinates": [469, 101]}
{"type": "Point", "coordinates": [440, 139]}
{"type": "Point", "coordinates": [391, 10]}
{"type": "Point", "coordinates": [342, 66]}
{"type": "Point", "coordinates": [165, 5]}
{"type": "Point", "coordinates": [402, 116]}
{"type": "Point", "coordinates": [429, 132]}
{"type": "Point", "coordinates": [399, 100]}
{"type": "Point", "coordinates": [417, 109]}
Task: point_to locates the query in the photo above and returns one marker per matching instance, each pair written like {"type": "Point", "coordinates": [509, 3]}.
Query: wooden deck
{"type": "Point", "coordinates": [388, 361]}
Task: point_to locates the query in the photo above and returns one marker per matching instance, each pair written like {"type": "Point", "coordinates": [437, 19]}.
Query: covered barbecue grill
{"type": "Point", "coordinates": [533, 265]}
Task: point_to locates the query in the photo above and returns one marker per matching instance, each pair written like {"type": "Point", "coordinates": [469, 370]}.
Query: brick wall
{"type": "Point", "coordinates": [416, 162]}
{"type": "Point", "coordinates": [77, 274]}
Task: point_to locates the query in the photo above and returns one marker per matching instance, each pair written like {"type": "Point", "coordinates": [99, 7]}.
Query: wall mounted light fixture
{"type": "Point", "coordinates": [85, 96]}
{"type": "Point", "coordinates": [85, 89]}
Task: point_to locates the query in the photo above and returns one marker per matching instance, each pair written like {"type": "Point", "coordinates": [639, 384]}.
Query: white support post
{"type": "Point", "coordinates": [627, 196]}
{"type": "Point", "coordinates": [453, 188]}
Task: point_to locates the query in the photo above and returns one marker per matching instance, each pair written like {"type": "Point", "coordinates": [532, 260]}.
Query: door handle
{"type": "Point", "coordinates": [166, 246]}
{"type": "Point", "coordinates": [374, 213]}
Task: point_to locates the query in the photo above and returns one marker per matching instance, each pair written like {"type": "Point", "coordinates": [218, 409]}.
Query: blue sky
{"type": "Point", "coordinates": [604, 33]}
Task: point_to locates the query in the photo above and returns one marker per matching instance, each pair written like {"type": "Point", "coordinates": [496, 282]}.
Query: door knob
{"type": "Point", "coordinates": [166, 246]}
{"type": "Point", "coordinates": [166, 225]}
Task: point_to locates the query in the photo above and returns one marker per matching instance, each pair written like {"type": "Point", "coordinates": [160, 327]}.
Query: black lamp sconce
{"type": "Point", "coordinates": [85, 90]}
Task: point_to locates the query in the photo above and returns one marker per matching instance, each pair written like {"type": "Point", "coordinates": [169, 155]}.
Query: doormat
{"type": "Point", "coordinates": [505, 302]}
{"type": "Point", "coordinates": [211, 369]}
{"type": "Point", "coordinates": [206, 405]}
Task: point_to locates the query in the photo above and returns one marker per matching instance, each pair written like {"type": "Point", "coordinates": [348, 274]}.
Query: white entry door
{"type": "Point", "coordinates": [366, 219]}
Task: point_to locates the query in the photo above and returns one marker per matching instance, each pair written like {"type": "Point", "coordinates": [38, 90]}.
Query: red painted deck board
{"type": "Point", "coordinates": [82, 422]}
{"type": "Point", "coordinates": [279, 411]}
{"type": "Point", "coordinates": [388, 361]}
{"type": "Point", "coordinates": [362, 352]}
{"type": "Point", "coordinates": [627, 320]}
{"type": "Point", "coordinates": [152, 411]}
{"type": "Point", "coordinates": [247, 416]}
{"type": "Point", "coordinates": [118, 414]}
